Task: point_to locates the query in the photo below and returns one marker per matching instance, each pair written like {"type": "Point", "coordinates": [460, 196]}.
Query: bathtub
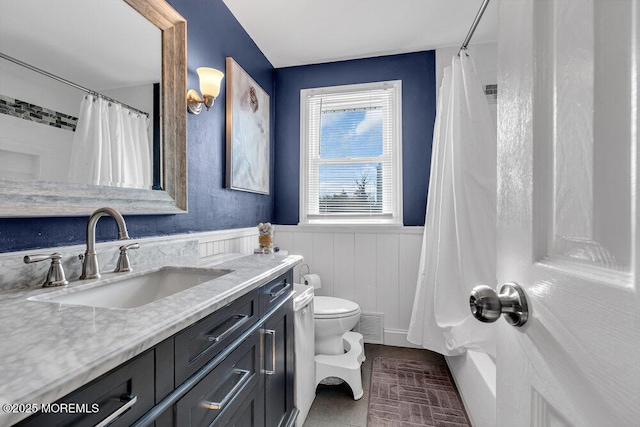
{"type": "Point", "coordinates": [475, 376]}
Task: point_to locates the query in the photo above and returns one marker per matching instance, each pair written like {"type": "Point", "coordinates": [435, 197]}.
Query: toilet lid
{"type": "Point", "coordinates": [330, 307]}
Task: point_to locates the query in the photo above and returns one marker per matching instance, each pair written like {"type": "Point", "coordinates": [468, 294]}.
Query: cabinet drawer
{"type": "Point", "coordinates": [196, 345]}
{"type": "Point", "coordinates": [134, 380]}
{"type": "Point", "coordinates": [217, 397]}
{"type": "Point", "coordinates": [276, 291]}
{"type": "Point", "coordinates": [249, 414]}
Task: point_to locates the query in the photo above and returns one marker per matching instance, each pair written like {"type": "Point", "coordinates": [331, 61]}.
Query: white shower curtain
{"type": "Point", "coordinates": [458, 247]}
{"type": "Point", "coordinates": [110, 146]}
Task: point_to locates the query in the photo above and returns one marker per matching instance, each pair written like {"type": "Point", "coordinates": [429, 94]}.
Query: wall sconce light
{"type": "Point", "coordinates": [210, 80]}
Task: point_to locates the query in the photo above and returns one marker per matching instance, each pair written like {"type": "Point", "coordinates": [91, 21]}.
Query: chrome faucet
{"type": "Point", "coordinates": [90, 268]}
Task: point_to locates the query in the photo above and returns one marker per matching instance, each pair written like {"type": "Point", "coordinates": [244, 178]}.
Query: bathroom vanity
{"type": "Point", "coordinates": [217, 353]}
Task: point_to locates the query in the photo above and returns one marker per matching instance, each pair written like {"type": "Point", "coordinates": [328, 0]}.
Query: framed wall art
{"type": "Point", "coordinates": [247, 165]}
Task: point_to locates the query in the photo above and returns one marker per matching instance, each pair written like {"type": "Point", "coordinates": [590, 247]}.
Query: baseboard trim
{"type": "Point", "coordinates": [398, 338]}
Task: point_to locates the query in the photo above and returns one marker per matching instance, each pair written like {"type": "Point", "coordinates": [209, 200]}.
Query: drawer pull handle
{"type": "Point", "coordinates": [273, 351]}
{"type": "Point", "coordinates": [244, 378]}
{"type": "Point", "coordinates": [241, 319]}
{"type": "Point", "coordinates": [128, 400]}
{"type": "Point", "coordinates": [275, 295]}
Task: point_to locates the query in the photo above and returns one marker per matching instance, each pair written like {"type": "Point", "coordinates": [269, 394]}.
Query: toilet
{"type": "Point", "coordinates": [339, 352]}
{"type": "Point", "coordinates": [333, 317]}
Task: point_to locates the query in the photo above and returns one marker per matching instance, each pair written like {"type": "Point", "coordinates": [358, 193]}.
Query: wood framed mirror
{"type": "Point", "coordinates": [33, 198]}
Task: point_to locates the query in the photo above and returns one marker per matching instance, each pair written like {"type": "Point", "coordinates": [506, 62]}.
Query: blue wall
{"type": "Point", "coordinates": [417, 72]}
{"type": "Point", "coordinates": [213, 34]}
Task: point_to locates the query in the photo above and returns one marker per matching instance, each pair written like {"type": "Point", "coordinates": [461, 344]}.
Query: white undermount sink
{"type": "Point", "coordinates": [137, 290]}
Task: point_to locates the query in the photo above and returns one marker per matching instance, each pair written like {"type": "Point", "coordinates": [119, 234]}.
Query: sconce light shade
{"type": "Point", "coordinates": [210, 80]}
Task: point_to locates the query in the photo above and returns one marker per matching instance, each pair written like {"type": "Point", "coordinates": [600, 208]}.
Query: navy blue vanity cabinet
{"type": "Point", "coordinates": [278, 351]}
{"type": "Point", "coordinates": [253, 385]}
{"type": "Point", "coordinates": [279, 367]}
{"type": "Point", "coordinates": [247, 379]}
{"type": "Point", "coordinates": [275, 292]}
{"type": "Point", "coordinates": [234, 367]}
{"type": "Point", "coordinates": [218, 397]}
{"type": "Point", "coordinates": [197, 344]}
{"type": "Point", "coordinates": [124, 394]}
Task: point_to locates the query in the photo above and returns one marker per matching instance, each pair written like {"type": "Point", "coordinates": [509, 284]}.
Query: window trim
{"type": "Point", "coordinates": [397, 218]}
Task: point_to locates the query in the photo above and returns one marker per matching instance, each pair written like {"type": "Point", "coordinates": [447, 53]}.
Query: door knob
{"type": "Point", "coordinates": [487, 306]}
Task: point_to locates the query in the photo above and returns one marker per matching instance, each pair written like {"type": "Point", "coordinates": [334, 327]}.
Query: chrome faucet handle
{"type": "Point", "coordinates": [55, 275]}
{"type": "Point", "coordinates": [124, 265]}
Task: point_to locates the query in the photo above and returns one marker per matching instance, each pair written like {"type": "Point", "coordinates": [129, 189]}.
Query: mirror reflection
{"type": "Point", "coordinates": [81, 103]}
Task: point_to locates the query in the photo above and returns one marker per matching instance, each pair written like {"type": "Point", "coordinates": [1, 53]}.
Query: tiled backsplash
{"type": "Point", "coordinates": [35, 113]}
{"type": "Point", "coordinates": [491, 92]}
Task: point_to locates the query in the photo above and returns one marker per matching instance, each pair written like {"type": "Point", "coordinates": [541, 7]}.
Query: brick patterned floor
{"type": "Point", "coordinates": [408, 393]}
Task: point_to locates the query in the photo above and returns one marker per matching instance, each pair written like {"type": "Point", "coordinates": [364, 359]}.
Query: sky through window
{"type": "Point", "coordinates": [354, 134]}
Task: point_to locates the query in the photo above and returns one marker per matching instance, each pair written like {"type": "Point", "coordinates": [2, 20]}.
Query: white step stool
{"type": "Point", "coordinates": [344, 366]}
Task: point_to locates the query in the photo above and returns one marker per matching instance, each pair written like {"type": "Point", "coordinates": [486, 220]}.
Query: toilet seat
{"type": "Point", "coordinates": [332, 308]}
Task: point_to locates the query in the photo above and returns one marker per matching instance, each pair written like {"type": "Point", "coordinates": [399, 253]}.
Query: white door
{"type": "Point", "coordinates": [568, 211]}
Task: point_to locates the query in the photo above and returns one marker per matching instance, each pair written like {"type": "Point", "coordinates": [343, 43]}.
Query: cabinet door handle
{"type": "Point", "coordinates": [273, 351]}
{"type": "Point", "coordinates": [244, 378]}
{"type": "Point", "coordinates": [275, 295]}
{"type": "Point", "coordinates": [129, 402]}
{"type": "Point", "coordinates": [241, 319]}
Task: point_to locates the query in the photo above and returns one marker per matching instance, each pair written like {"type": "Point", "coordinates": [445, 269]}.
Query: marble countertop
{"type": "Point", "coordinates": [48, 349]}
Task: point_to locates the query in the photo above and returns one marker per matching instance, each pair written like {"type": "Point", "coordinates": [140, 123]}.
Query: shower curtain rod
{"type": "Point", "coordinates": [67, 82]}
{"type": "Point", "coordinates": [472, 30]}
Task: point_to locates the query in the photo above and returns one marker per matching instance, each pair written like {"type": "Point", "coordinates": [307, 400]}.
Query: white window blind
{"type": "Point", "coordinates": [351, 154]}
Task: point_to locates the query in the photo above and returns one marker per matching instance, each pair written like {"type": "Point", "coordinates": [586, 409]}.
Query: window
{"type": "Point", "coordinates": [350, 154]}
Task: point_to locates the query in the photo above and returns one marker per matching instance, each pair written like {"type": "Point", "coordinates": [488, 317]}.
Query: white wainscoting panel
{"type": "Point", "coordinates": [239, 240]}
{"type": "Point", "coordinates": [366, 284]}
{"type": "Point", "coordinates": [377, 267]}
{"type": "Point", "coordinates": [343, 266]}
{"type": "Point", "coordinates": [323, 261]}
{"type": "Point", "coordinates": [387, 272]}
{"type": "Point", "coordinates": [409, 249]}
{"type": "Point", "coordinates": [303, 244]}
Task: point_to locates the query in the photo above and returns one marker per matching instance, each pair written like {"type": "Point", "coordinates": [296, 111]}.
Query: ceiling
{"type": "Point", "coordinates": [100, 44]}
{"type": "Point", "coordinates": [300, 32]}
